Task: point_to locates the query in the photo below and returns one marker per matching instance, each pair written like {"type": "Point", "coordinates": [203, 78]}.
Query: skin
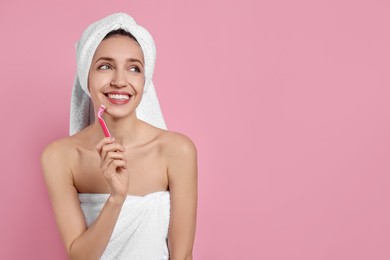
{"type": "Point", "coordinates": [140, 160]}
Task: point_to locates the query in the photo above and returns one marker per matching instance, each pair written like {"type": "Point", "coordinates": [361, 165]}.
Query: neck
{"type": "Point", "coordinates": [126, 130]}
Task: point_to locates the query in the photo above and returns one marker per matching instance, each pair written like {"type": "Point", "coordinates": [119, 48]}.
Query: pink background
{"type": "Point", "coordinates": [287, 102]}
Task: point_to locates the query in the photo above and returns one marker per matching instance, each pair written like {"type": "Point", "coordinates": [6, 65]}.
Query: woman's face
{"type": "Point", "coordinates": [116, 78]}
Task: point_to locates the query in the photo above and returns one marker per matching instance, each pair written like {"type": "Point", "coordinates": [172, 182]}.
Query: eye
{"type": "Point", "coordinates": [135, 69]}
{"type": "Point", "coordinates": [104, 67]}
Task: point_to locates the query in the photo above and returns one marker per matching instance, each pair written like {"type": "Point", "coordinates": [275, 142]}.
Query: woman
{"type": "Point", "coordinates": [132, 196]}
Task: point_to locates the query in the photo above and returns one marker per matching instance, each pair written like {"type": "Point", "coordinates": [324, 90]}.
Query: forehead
{"type": "Point", "coordinates": [119, 48]}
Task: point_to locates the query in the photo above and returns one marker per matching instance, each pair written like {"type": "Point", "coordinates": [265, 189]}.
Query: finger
{"type": "Point", "coordinates": [112, 167]}
{"type": "Point", "coordinates": [104, 141]}
{"type": "Point", "coordinates": [110, 156]}
{"type": "Point", "coordinates": [113, 147]}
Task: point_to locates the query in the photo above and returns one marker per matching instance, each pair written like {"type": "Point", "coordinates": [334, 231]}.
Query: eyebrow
{"type": "Point", "coordinates": [127, 60]}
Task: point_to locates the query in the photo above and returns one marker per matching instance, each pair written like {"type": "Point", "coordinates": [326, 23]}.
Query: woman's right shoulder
{"type": "Point", "coordinates": [59, 151]}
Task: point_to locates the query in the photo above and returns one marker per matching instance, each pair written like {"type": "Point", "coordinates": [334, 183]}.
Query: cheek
{"type": "Point", "coordinates": [93, 88]}
{"type": "Point", "coordinates": [141, 81]}
{"type": "Point", "coordinates": [95, 81]}
{"type": "Point", "coordinates": [137, 82]}
{"type": "Point", "coordinates": [91, 81]}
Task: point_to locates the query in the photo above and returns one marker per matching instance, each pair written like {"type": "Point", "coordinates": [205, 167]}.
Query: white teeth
{"type": "Point", "coordinates": [118, 96]}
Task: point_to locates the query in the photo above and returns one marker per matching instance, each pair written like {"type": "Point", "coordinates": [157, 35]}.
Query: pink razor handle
{"type": "Point", "coordinates": [101, 121]}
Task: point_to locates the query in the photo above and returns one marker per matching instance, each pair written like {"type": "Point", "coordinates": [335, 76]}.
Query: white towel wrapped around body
{"type": "Point", "coordinates": [142, 227]}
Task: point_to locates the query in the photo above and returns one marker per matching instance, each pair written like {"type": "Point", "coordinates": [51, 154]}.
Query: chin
{"type": "Point", "coordinates": [120, 113]}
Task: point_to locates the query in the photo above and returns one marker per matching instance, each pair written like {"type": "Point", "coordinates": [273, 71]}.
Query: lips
{"type": "Point", "coordinates": [118, 97]}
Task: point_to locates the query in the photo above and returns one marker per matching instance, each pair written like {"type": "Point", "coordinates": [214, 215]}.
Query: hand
{"type": "Point", "coordinates": [113, 167]}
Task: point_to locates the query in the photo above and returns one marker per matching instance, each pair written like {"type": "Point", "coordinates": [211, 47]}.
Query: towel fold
{"type": "Point", "coordinates": [142, 227]}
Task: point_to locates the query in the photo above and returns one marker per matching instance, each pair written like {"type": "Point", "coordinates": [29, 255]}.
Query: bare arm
{"type": "Point", "coordinates": [182, 174]}
{"type": "Point", "coordinates": [80, 242]}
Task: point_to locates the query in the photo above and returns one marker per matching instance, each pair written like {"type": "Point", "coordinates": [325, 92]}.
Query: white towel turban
{"type": "Point", "coordinates": [81, 110]}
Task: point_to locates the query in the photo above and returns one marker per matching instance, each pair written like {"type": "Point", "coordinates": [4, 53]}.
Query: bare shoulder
{"type": "Point", "coordinates": [59, 148]}
{"type": "Point", "coordinates": [181, 155]}
{"type": "Point", "coordinates": [59, 153]}
{"type": "Point", "coordinates": [176, 144]}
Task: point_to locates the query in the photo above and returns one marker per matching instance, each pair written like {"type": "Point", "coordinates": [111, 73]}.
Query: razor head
{"type": "Point", "coordinates": [102, 122]}
{"type": "Point", "coordinates": [101, 111]}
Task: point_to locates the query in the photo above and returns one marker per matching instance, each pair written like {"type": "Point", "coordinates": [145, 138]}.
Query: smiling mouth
{"type": "Point", "coordinates": [118, 98]}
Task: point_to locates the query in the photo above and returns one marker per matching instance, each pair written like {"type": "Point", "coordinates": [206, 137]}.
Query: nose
{"type": "Point", "coordinates": [119, 79]}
